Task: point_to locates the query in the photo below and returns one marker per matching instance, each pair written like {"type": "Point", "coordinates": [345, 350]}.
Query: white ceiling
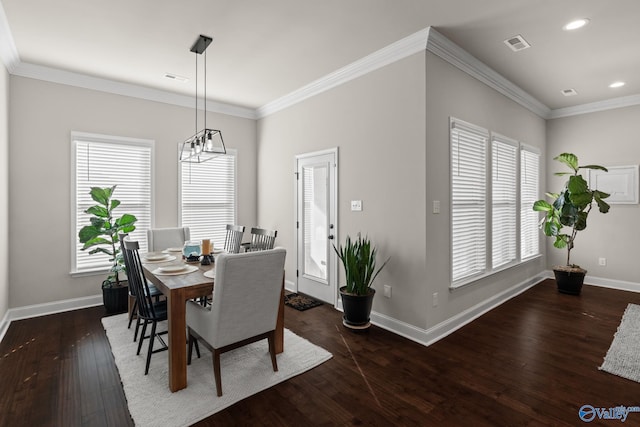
{"type": "Point", "coordinates": [265, 49]}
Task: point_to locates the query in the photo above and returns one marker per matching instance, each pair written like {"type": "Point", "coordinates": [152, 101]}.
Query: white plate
{"type": "Point", "coordinates": [174, 249]}
{"type": "Point", "coordinates": [156, 257]}
{"type": "Point", "coordinates": [172, 268]}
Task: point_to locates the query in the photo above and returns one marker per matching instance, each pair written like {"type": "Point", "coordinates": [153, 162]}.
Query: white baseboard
{"type": "Point", "coordinates": [422, 336]}
{"type": "Point", "coordinates": [37, 310]}
{"type": "Point", "coordinates": [4, 325]}
{"type": "Point", "coordinates": [429, 336]}
{"type": "Point", "coordinates": [290, 286]}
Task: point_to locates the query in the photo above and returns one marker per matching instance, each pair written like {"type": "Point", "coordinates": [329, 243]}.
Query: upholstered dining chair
{"type": "Point", "coordinates": [159, 239]}
{"type": "Point", "coordinates": [261, 239]}
{"type": "Point", "coordinates": [148, 310]}
{"type": "Point", "coordinates": [233, 239]}
{"type": "Point", "coordinates": [233, 320]}
{"type": "Point", "coordinates": [153, 291]}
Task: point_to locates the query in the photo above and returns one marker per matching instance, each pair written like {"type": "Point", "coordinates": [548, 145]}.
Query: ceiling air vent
{"type": "Point", "coordinates": [517, 43]}
{"type": "Point", "coordinates": [569, 92]}
{"type": "Point", "coordinates": [175, 77]}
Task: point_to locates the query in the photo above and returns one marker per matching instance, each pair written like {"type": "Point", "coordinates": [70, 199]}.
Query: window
{"type": "Point", "coordinates": [504, 163]}
{"type": "Point", "coordinates": [493, 187]}
{"type": "Point", "coordinates": [468, 199]}
{"type": "Point", "coordinates": [208, 197]}
{"type": "Point", "coordinates": [104, 161]}
{"type": "Point", "coordinates": [529, 193]}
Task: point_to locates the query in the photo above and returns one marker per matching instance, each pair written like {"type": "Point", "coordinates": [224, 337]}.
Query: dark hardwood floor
{"type": "Point", "coordinates": [530, 362]}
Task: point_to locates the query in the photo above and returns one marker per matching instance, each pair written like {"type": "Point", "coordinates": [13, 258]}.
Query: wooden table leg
{"type": "Point", "coordinates": [279, 338]}
{"type": "Point", "coordinates": [177, 340]}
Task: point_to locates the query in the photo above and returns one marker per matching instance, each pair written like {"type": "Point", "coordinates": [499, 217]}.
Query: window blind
{"type": "Point", "coordinates": [468, 200]}
{"type": "Point", "coordinates": [529, 193]}
{"type": "Point", "coordinates": [504, 164]}
{"type": "Point", "coordinates": [102, 161]}
{"type": "Point", "coordinates": [208, 197]}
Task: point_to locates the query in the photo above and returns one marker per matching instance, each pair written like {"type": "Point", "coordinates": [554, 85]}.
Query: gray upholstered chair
{"type": "Point", "coordinates": [159, 239]}
{"type": "Point", "coordinates": [245, 306]}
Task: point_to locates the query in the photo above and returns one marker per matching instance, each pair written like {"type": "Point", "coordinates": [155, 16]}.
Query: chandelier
{"type": "Point", "coordinates": [206, 143]}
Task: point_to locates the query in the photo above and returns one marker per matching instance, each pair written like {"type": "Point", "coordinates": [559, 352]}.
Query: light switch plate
{"type": "Point", "coordinates": [356, 205]}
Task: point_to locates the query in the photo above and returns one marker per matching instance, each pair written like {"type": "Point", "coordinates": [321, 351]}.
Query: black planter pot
{"type": "Point", "coordinates": [569, 281]}
{"type": "Point", "coordinates": [357, 309]}
{"type": "Point", "coordinates": [116, 298]}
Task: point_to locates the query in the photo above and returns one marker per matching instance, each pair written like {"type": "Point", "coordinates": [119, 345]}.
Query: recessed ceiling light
{"type": "Point", "coordinates": [569, 92]}
{"type": "Point", "coordinates": [574, 25]}
{"type": "Point", "coordinates": [616, 85]}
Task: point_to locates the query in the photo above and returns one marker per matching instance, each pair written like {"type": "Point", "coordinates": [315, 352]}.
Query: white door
{"type": "Point", "coordinates": [316, 224]}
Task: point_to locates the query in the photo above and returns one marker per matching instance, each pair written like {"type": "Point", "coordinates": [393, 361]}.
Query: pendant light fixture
{"type": "Point", "coordinates": [204, 144]}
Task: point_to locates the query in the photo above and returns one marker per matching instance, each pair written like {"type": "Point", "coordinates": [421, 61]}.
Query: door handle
{"type": "Point", "coordinates": [331, 237]}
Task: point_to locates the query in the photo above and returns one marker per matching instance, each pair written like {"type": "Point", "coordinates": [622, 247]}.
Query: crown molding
{"type": "Point", "coordinates": [394, 52]}
{"type": "Point", "coordinates": [427, 38]}
{"type": "Point", "coordinates": [459, 58]}
{"type": "Point", "coordinates": [54, 75]}
{"type": "Point", "coordinates": [594, 107]}
{"type": "Point", "coordinates": [8, 51]}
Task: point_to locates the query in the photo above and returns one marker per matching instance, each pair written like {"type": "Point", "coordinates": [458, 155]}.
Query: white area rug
{"type": "Point", "coordinates": [245, 371]}
{"type": "Point", "coordinates": [623, 357]}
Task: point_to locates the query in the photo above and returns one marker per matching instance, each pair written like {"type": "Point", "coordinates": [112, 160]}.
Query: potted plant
{"type": "Point", "coordinates": [570, 208]}
{"type": "Point", "coordinates": [102, 236]}
{"type": "Point", "coordinates": [359, 261]}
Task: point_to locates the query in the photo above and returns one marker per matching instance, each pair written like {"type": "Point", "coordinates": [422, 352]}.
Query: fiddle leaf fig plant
{"type": "Point", "coordinates": [570, 208]}
{"type": "Point", "coordinates": [102, 233]}
{"type": "Point", "coordinates": [359, 261]}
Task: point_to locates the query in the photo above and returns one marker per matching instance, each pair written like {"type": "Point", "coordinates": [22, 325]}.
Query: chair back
{"type": "Point", "coordinates": [248, 289]}
{"type": "Point", "coordinates": [262, 239]}
{"type": "Point", "coordinates": [159, 239]}
{"type": "Point", "coordinates": [233, 240]}
{"type": "Point", "coordinates": [125, 258]}
{"type": "Point", "coordinates": [137, 280]}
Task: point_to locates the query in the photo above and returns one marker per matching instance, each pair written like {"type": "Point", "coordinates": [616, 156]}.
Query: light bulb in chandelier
{"type": "Point", "coordinates": [209, 144]}
{"type": "Point", "coordinates": [193, 148]}
{"type": "Point", "coordinates": [198, 147]}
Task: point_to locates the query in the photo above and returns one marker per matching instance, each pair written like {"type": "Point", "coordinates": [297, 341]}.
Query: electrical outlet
{"type": "Point", "coordinates": [435, 299]}
{"type": "Point", "coordinates": [387, 291]}
{"type": "Point", "coordinates": [602, 261]}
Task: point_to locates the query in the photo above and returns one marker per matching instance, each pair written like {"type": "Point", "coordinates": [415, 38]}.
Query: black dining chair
{"type": "Point", "coordinates": [148, 310]}
{"type": "Point", "coordinates": [261, 239]}
{"type": "Point", "coordinates": [233, 239]}
{"type": "Point", "coordinates": [154, 292]}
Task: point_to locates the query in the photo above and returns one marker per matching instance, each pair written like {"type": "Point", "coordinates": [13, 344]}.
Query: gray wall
{"type": "Point", "coordinates": [451, 92]}
{"type": "Point", "coordinates": [391, 127]}
{"type": "Point", "coordinates": [377, 123]}
{"type": "Point", "coordinates": [4, 191]}
{"type": "Point", "coordinates": [42, 116]}
{"type": "Point", "coordinates": [608, 138]}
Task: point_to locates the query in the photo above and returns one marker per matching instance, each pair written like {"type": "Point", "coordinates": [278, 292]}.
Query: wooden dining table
{"type": "Point", "coordinates": [178, 289]}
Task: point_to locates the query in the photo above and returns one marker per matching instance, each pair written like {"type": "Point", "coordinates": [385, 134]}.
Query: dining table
{"type": "Point", "coordinates": [178, 288]}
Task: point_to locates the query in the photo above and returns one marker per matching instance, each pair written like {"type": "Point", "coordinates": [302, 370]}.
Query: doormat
{"type": "Point", "coordinates": [301, 302]}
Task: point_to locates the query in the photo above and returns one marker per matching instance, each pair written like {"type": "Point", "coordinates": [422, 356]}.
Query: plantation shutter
{"type": "Point", "coordinates": [504, 163]}
{"type": "Point", "coordinates": [468, 199]}
{"type": "Point", "coordinates": [208, 197]}
{"type": "Point", "coordinates": [103, 161]}
{"type": "Point", "coordinates": [529, 193]}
